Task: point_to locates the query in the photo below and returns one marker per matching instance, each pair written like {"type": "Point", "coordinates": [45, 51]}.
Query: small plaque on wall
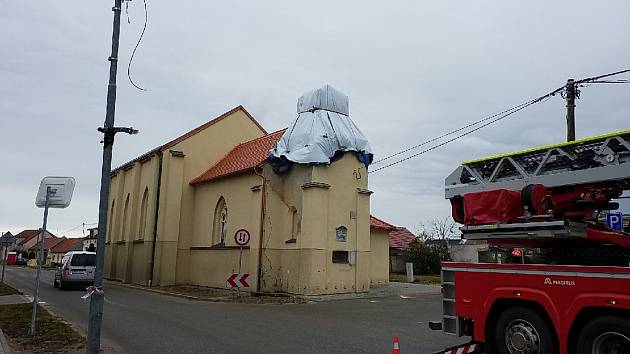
{"type": "Point", "coordinates": [341, 233]}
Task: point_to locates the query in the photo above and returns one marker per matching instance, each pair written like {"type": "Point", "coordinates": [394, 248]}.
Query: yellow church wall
{"type": "Point", "coordinates": [127, 251]}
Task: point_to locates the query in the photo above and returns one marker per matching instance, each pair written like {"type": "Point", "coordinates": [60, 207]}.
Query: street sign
{"type": "Point", "coordinates": [614, 220]}
{"type": "Point", "coordinates": [241, 237]}
{"type": "Point", "coordinates": [238, 280]}
{"type": "Point", "coordinates": [7, 240]}
{"type": "Point", "coordinates": [60, 188]}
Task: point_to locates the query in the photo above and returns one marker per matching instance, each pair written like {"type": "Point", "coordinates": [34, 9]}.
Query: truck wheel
{"type": "Point", "coordinates": [606, 334]}
{"type": "Point", "coordinates": [520, 330]}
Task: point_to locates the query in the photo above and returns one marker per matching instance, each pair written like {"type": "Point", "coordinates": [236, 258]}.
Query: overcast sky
{"type": "Point", "coordinates": [412, 70]}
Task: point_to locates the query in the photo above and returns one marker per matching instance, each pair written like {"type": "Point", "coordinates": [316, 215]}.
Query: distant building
{"type": "Point", "coordinates": [63, 247]}
{"type": "Point", "coordinates": [49, 243]}
{"type": "Point", "coordinates": [27, 239]}
{"type": "Point", "coordinates": [89, 242]}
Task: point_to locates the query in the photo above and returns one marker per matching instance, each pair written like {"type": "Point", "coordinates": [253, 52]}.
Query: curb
{"type": "Point", "coordinates": [162, 292]}
{"type": "Point", "coordinates": [225, 299]}
{"type": "Point", "coordinates": [4, 345]}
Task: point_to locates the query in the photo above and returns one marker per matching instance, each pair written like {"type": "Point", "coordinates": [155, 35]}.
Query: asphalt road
{"type": "Point", "coordinates": [137, 321]}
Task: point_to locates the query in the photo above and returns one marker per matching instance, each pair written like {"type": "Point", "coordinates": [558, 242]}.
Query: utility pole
{"type": "Point", "coordinates": [109, 131]}
{"type": "Point", "coordinates": [570, 97]}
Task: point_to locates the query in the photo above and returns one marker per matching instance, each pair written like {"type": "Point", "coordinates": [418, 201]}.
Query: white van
{"type": "Point", "coordinates": [77, 268]}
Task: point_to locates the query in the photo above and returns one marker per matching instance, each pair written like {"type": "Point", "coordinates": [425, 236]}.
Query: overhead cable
{"type": "Point", "coordinates": [505, 114]}
{"type": "Point", "coordinates": [144, 28]}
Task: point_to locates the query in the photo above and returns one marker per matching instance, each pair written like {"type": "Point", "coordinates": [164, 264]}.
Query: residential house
{"type": "Point", "coordinates": [379, 231]}
{"type": "Point", "coordinates": [88, 243]}
{"type": "Point", "coordinates": [49, 243]}
{"type": "Point", "coordinates": [63, 247]}
{"type": "Point", "coordinates": [27, 239]}
{"type": "Point", "coordinates": [399, 240]}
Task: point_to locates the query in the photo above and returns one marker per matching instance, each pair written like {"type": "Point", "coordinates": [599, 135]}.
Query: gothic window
{"type": "Point", "coordinates": [219, 228]}
{"type": "Point", "coordinates": [111, 222]}
{"type": "Point", "coordinates": [143, 214]}
{"type": "Point", "coordinates": [123, 235]}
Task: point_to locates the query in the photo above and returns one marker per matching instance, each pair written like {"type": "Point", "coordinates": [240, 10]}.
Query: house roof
{"type": "Point", "coordinates": [67, 245]}
{"type": "Point", "coordinates": [376, 223]}
{"type": "Point", "coordinates": [48, 243]}
{"type": "Point", "coordinates": [244, 157]}
{"type": "Point", "coordinates": [400, 238]}
{"type": "Point", "coordinates": [188, 135]}
{"type": "Point", "coordinates": [25, 235]}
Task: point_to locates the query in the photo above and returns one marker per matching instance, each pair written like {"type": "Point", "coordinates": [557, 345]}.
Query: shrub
{"type": "Point", "coordinates": [426, 259]}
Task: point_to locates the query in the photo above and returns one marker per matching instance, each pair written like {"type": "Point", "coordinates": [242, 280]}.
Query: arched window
{"type": "Point", "coordinates": [111, 222]}
{"type": "Point", "coordinates": [219, 227]}
{"type": "Point", "coordinates": [123, 234]}
{"type": "Point", "coordinates": [143, 214]}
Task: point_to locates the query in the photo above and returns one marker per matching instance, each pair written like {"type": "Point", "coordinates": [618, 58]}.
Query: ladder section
{"type": "Point", "coordinates": [591, 160]}
{"type": "Point", "coordinates": [450, 322]}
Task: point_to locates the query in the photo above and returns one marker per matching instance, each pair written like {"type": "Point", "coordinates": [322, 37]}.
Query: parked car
{"type": "Point", "coordinates": [77, 268]}
{"type": "Point", "coordinates": [20, 261]}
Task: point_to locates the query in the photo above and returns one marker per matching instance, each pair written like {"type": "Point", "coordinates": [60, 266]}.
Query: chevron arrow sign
{"type": "Point", "coordinates": [238, 280]}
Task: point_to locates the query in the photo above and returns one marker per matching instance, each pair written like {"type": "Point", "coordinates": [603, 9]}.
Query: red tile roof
{"type": "Point", "coordinates": [188, 135]}
{"type": "Point", "coordinates": [66, 245]}
{"type": "Point", "coordinates": [376, 223]}
{"type": "Point", "coordinates": [244, 157]}
{"type": "Point", "coordinates": [48, 243]}
{"type": "Point", "coordinates": [26, 235]}
{"type": "Point", "coordinates": [400, 238]}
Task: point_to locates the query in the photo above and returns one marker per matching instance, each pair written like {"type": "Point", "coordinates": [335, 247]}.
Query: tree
{"type": "Point", "coordinates": [437, 229]}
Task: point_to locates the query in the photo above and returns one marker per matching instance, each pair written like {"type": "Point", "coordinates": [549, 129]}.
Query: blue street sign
{"type": "Point", "coordinates": [614, 220]}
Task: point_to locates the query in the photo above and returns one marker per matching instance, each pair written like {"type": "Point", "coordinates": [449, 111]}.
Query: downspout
{"type": "Point", "coordinates": [155, 219]}
{"type": "Point", "coordinates": [263, 206]}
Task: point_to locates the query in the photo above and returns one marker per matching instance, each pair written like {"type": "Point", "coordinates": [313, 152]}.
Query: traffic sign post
{"type": "Point", "coordinates": [614, 220]}
{"type": "Point", "coordinates": [5, 241]}
{"type": "Point", "coordinates": [241, 237]}
{"type": "Point", "coordinates": [54, 192]}
{"type": "Point", "coordinates": [238, 280]}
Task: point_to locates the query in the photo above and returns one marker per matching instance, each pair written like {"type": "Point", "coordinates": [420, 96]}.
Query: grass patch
{"type": "Point", "coordinates": [432, 279]}
{"type": "Point", "coordinates": [7, 290]}
{"type": "Point", "coordinates": [53, 335]}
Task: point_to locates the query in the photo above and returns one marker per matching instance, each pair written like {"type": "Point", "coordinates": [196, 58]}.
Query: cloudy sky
{"type": "Point", "coordinates": [412, 70]}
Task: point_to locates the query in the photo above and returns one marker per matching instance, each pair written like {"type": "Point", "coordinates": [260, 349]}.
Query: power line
{"type": "Point", "coordinates": [146, 16]}
{"type": "Point", "coordinates": [449, 133]}
{"type": "Point", "coordinates": [504, 115]}
{"type": "Point", "coordinates": [492, 119]}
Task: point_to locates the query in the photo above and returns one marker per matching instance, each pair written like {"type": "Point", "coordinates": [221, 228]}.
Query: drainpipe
{"type": "Point", "coordinates": [155, 219]}
{"type": "Point", "coordinates": [263, 206]}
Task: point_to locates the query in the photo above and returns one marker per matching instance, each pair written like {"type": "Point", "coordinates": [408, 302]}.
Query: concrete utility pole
{"type": "Point", "coordinates": [570, 97]}
{"type": "Point", "coordinates": [109, 131]}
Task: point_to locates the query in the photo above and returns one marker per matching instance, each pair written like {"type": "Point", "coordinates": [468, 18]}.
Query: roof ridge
{"type": "Point", "coordinates": [260, 137]}
{"type": "Point", "coordinates": [190, 133]}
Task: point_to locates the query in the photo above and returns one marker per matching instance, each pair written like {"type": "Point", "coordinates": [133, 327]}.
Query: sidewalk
{"type": "Point", "coordinates": [4, 345]}
{"type": "Point", "coordinates": [10, 300]}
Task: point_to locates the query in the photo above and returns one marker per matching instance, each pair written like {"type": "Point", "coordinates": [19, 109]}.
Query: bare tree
{"type": "Point", "coordinates": [437, 229]}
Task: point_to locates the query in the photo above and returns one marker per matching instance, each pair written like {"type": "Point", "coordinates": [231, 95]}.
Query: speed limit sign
{"type": "Point", "coordinates": [241, 237]}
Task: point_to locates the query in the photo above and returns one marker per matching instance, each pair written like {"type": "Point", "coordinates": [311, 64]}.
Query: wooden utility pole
{"type": "Point", "coordinates": [570, 97]}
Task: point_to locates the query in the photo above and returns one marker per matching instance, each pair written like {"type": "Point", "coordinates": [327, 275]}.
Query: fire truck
{"type": "Point", "coordinates": [564, 285]}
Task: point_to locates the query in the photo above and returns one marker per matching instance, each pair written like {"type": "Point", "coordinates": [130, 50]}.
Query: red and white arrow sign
{"type": "Point", "coordinates": [238, 280]}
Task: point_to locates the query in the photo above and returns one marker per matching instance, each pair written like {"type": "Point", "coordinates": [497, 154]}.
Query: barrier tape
{"type": "Point", "coordinates": [91, 290]}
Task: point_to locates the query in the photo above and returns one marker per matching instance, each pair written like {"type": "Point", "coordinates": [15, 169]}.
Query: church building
{"type": "Point", "coordinates": [298, 196]}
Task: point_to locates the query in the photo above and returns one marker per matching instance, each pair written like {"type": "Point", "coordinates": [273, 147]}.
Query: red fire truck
{"type": "Point", "coordinates": [564, 286]}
